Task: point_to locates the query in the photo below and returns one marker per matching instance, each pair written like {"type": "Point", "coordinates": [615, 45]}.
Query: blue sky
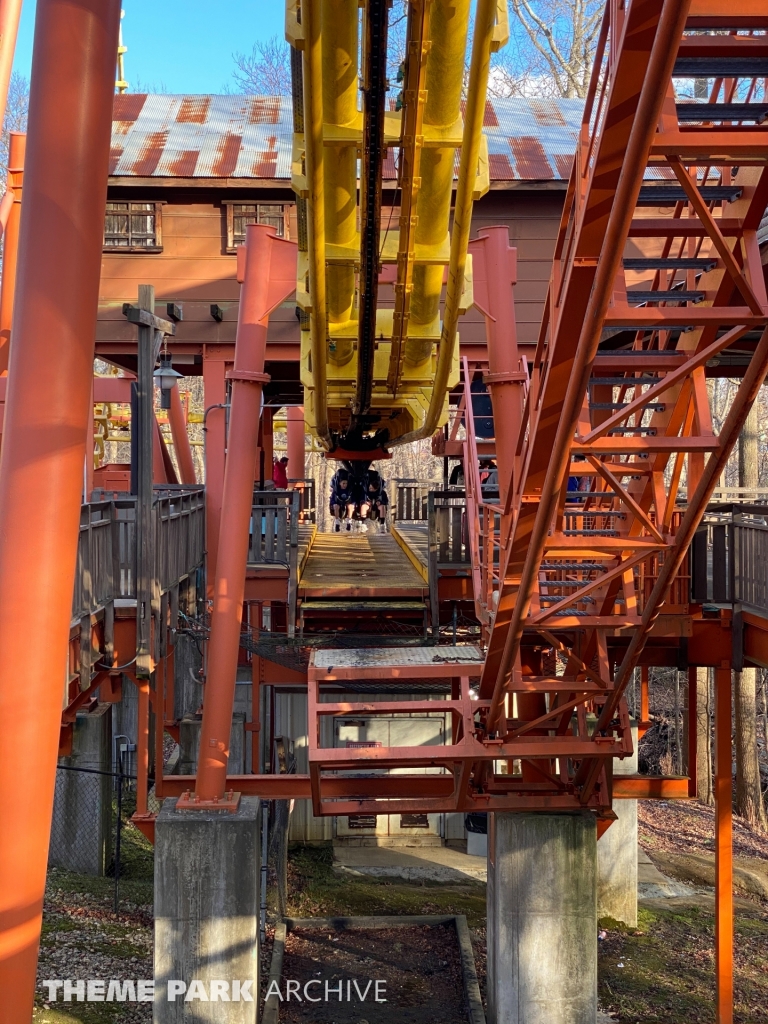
{"type": "Point", "coordinates": [184, 45]}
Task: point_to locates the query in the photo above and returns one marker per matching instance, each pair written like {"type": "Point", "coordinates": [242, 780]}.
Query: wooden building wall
{"type": "Point", "coordinates": [195, 270]}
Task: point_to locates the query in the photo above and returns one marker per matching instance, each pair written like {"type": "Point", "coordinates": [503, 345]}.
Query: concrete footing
{"type": "Point", "coordinates": [81, 829]}
{"type": "Point", "coordinates": [207, 913]}
{"type": "Point", "coordinates": [617, 854]}
{"type": "Point", "coordinates": [542, 919]}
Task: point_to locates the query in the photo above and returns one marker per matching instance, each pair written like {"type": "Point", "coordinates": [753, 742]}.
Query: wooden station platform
{"type": "Point", "coordinates": [353, 565]}
{"type": "Point", "coordinates": [413, 538]}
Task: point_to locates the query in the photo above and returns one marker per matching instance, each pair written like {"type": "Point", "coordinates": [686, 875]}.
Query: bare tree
{"type": "Point", "coordinates": [551, 49]}
{"type": "Point", "coordinates": [266, 70]}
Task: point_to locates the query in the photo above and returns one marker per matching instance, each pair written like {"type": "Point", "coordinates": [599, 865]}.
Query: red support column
{"type": "Point", "coordinates": [215, 439]}
{"type": "Point", "coordinates": [16, 149]}
{"type": "Point", "coordinates": [268, 276]}
{"type": "Point", "coordinates": [296, 442]}
{"type": "Point", "coordinates": [47, 420]}
{"type": "Point", "coordinates": [180, 436]}
{"type": "Point", "coordinates": [494, 272]}
{"type": "Point", "coordinates": [268, 442]}
{"type": "Point", "coordinates": [645, 711]}
{"type": "Point", "coordinates": [723, 846]}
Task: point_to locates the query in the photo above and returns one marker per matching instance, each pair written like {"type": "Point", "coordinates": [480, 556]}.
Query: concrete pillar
{"type": "Point", "coordinates": [207, 911]}
{"type": "Point", "coordinates": [542, 919]}
{"type": "Point", "coordinates": [81, 829]}
{"type": "Point", "coordinates": [617, 854]}
{"type": "Point", "coordinates": [188, 687]}
{"type": "Point", "coordinates": [189, 741]}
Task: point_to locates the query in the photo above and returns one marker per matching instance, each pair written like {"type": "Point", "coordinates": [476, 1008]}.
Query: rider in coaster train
{"type": "Point", "coordinates": [344, 498]}
{"type": "Point", "coordinates": [375, 500]}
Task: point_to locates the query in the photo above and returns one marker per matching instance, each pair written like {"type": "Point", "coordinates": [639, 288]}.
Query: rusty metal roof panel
{"type": "Point", "coordinates": [532, 139]}
{"type": "Point", "coordinates": [202, 136]}
{"type": "Point", "coordinates": [251, 136]}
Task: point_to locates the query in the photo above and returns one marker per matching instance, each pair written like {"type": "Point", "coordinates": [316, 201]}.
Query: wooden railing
{"type": "Point", "coordinates": [729, 557]}
{"type": "Point", "coordinates": [274, 538]}
{"type": "Point", "coordinates": [410, 500]}
{"type": "Point", "coordinates": [449, 546]}
{"type": "Point", "coordinates": [307, 492]}
{"type": "Point", "coordinates": [106, 554]}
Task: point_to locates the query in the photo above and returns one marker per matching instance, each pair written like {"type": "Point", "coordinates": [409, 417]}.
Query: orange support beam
{"type": "Point", "coordinates": [268, 274]}
{"type": "Point", "coordinates": [47, 420]}
{"type": "Point", "coordinates": [295, 442]}
{"type": "Point", "coordinates": [723, 847]}
{"type": "Point", "coordinates": [181, 444]}
{"type": "Point", "coordinates": [16, 150]}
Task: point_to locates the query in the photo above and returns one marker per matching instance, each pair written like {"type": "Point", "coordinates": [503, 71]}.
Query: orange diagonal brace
{"type": "Point", "coordinates": [267, 269]}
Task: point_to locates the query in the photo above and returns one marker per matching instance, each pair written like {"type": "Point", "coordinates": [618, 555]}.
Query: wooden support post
{"type": "Point", "coordinates": [723, 847]}
{"type": "Point", "coordinates": [144, 429]}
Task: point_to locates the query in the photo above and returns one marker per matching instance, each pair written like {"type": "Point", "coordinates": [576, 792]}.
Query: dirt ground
{"type": "Point", "coordinates": [420, 969]}
{"type": "Point", "coordinates": [661, 971]}
{"type": "Point", "coordinates": [689, 827]}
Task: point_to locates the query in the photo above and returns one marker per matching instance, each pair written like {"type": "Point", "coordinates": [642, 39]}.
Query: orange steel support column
{"type": "Point", "coordinates": [16, 149]}
{"type": "Point", "coordinates": [295, 442]}
{"type": "Point", "coordinates": [723, 847]}
{"type": "Point", "coordinates": [178, 423]}
{"type": "Point", "coordinates": [645, 710]}
{"type": "Point", "coordinates": [497, 267]}
{"type": "Point", "coordinates": [47, 420]}
{"type": "Point", "coordinates": [268, 442]}
{"type": "Point", "coordinates": [693, 732]}
{"type": "Point", "coordinates": [268, 277]}
{"type": "Point", "coordinates": [214, 433]}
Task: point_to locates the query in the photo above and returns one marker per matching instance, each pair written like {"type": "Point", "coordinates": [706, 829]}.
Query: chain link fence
{"type": "Point", "coordinates": [91, 828]}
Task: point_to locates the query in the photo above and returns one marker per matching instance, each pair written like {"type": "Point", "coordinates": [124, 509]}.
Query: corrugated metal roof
{"type": "Point", "coordinates": [251, 137]}
{"type": "Point", "coordinates": [532, 139]}
{"type": "Point", "coordinates": [201, 136]}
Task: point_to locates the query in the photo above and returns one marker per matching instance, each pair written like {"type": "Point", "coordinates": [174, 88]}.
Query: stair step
{"type": "Point", "coordinates": [628, 381]}
{"type": "Point", "coordinates": [669, 263]}
{"type": "Point", "coordinates": [665, 296]}
{"type": "Point", "coordinates": [656, 406]}
{"type": "Point", "coordinates": [361, 605]}
{"type": "Point", "coordinates": [667, 195]}
{"type": "Point", "coordinates": [688, 112]}
{"type": "Point", "coordinates": [720, 67]}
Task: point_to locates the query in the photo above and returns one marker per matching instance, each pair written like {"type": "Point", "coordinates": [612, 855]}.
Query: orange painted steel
{"type": "Point", "coordinates": [723, 846]}
{"type": "Point", "coordinates": [47, 420]}
{"type": "Point", "coordinates": [215, 443]}
{"type": "Point", "coordinates": [494, 266]}
{"type": "Point", "coordinates": [180, 436]}
{"type": "Point", "coordinates": [268, 277]}
{"type": "Point", "coordinates": [16, 149]}
{"type": "Point", "coordinates": [295, 442]}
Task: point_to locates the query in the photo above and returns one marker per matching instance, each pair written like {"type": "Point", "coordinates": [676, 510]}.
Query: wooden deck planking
{"type": "Point", "coordinates": [354, 565]}
{"type": "Point", "coordinates": [307, 533]}
{"type": "Point", "coordinates": [415, 538]}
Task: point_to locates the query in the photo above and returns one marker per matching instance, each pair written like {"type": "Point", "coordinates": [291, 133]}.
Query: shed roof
{"type": "Point", "coordinates": [251, 137]}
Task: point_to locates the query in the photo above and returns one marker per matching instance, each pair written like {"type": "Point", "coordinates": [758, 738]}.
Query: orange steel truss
{"type": "Point", "coordinates": [610, 450]}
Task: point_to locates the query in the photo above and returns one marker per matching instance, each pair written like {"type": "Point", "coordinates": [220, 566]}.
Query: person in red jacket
{"type": "Point", "coordinates": [280, 474]}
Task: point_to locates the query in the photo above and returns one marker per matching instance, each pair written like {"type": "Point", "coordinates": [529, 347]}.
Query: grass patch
{"type": "Point", "coordinates": [664, 970]}
{"type": "Point", "coordinates": [315, 890]}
